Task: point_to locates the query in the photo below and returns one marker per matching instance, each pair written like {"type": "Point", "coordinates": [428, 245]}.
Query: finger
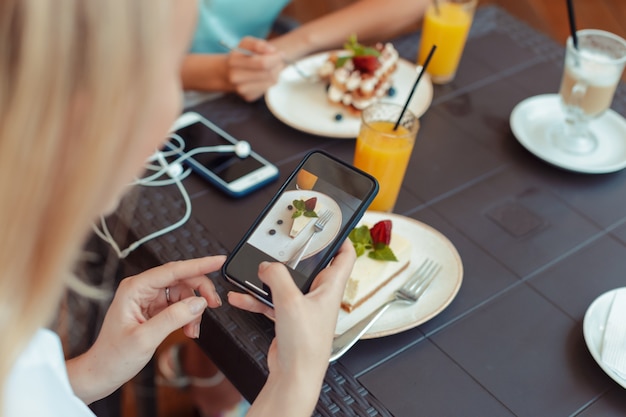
{"type": "Point", "coordinates": [190, 286]}
{"type": "Point", "coordinates": [247, 77]}
{"type": "Point", "coordinates": [277, 277]}
{"type": "Point", "coordinates": [335, 276]}
{"type": "Point", "coordinates": [192, 330]}
{"type": "Point", "coordinates": [257, 45]}
{"type": "Point", "coordinates": [252, 92]}
{"type": "Point", "coordinates": [170, 273]}
{"type": "Point", "coordinates": [256, 63]}
{"type": "Point", "coordinates": [178, 292]}
{"type": "Point", "coordinates": [275, 73]}
{"type": "Point", "coordinates": [191, 273]}
{"type": "Point", "coordinates": [172, 318]}
{"type": "Point", "coordinates": [249, 303]}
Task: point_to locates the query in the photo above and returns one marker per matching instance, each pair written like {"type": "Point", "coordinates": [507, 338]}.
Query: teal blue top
{"type": "Point", "coordinates": [230, 20]}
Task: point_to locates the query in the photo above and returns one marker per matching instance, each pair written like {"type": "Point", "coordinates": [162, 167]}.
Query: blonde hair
{"type": "Point", "coordinates": [73, 75]}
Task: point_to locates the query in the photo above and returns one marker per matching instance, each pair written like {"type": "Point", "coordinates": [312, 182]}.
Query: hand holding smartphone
{"type": "Point", "coordinates": [304, 224]}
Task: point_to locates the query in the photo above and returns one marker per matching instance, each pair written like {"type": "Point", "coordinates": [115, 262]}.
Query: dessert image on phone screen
{"type": "Point", "coordinates": [304, 224]}
{"type": "Point", "coordinates": [289, 227]}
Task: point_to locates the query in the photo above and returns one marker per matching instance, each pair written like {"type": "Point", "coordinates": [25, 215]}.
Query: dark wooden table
{"type": "Point", "coordinates": [511, 343]}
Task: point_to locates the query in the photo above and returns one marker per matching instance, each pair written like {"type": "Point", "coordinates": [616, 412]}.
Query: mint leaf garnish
{"type": "Point", "coordinates": [383, 253]}
{"type": "Point", "coordinates": [362, 241]}
{"type": "Point", "coordinates": [341, 61]}
{"type": "Point", "coordinates": [359, 50]}
{"type": "Point", "coordinates": [301, 210]}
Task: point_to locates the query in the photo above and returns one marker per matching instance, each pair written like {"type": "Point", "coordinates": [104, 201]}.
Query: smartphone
{"type": "Point", "coordinates": [212, 155]}
{"type": "Point", "coordinates": [322, 189]}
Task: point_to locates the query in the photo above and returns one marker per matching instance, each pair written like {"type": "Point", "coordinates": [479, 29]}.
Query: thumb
{"type": "Point", "coordinates": [278, 278]}
{"type": "Point", "coordinates": [173, 318]}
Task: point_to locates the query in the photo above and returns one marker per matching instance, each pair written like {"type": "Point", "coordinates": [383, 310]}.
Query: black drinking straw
{"type": "Point", "coordinates": [572, 23]}
{"type": "Point", "coordinates": [408, 100]}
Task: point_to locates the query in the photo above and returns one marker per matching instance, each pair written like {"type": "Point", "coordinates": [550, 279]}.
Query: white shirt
{"type": "Point", "coordinates": [38, 384]}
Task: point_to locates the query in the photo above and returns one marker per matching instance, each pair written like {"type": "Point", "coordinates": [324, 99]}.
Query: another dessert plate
{"type": "Point", "coordinates": [594, 326]}
{"type": "Point", "coordinates": [303, 105]}
{"type": "Point", "coordinates": [272, 234]}
{"type": "Point", "coordinates": [531, 119]}
{"type": "Point", "coordinates": [426, 243]}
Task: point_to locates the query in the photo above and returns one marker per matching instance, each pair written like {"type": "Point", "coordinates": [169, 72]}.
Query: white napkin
{"type": "Point", "coordinates": [614, 341]}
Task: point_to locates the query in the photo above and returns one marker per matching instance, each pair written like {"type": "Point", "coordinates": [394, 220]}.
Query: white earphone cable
{"type": "Point", "coordinates": [242, 149]}
{"type": "Point", "coordinates": [151, 181]}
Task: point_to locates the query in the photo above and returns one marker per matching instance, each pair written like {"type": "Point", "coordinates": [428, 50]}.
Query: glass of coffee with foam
{"type": "Point", "coordinates": [592, 71]}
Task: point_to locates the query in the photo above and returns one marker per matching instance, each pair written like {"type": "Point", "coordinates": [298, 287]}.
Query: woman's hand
{"type": "Point", "coordinates": [252, 74]}
{"type": "Point", "coordinates": [305, 326]}
{"type": "Point", "coordinates": [139, 319]}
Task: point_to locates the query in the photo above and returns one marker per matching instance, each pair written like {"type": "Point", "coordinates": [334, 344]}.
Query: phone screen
{"type": "Point", "coordinates": [321, 187]}
{"type": "Point", "coordinates": [225, 165]}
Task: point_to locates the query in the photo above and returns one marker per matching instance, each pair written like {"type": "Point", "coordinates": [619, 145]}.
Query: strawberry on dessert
{"type": "Point", "coordinates": [359, 75]}
{"type": "Point", "coordinates": [366, 64]}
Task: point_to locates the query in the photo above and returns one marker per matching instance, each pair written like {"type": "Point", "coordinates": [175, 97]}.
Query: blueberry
{"type": "Point", "coordinates": [391, 92]}
{"type": "Point", "coordinates": [279, 222]}
{"type": "Point", "coordinates": [272, 232]}
{"type": "Point", "coordinates": [339, 117]}
{"type": "Point", "coordinates": [289, 207]}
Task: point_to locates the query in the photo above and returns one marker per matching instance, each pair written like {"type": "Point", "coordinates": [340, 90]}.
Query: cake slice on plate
{"type": "Point", "coordinates": [304, 212]}
{"type": "Point", "coordinates": [375, 269]}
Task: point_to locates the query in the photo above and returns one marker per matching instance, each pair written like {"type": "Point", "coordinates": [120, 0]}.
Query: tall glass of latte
{"type": "Point", "coordinates": [591, 74]}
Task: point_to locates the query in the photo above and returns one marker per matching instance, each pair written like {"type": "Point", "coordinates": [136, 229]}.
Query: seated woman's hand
{"type": "Point", "coordinates": [140, 318]}
{"type": "Point", "coordinates": [252, 74]}
{"type": "Point", "coordinates": [305, 326]}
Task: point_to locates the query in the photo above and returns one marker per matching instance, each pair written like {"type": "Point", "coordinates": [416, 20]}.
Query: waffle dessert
{"type": "Point", "coordinates": [359, 75]}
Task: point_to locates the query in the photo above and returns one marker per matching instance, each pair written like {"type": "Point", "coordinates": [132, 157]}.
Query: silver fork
{"type": "Point", "coordinates": [410, 292]}
{"type": "Point", "coordinates": [318, 226]}
{"type": "Point", "coordinates": [302, 73]}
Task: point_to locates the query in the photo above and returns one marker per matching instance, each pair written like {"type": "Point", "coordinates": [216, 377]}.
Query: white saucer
{"type": "Point", "coordinates": [531, 119]}
{"type": "Point", "coordinates": [593, 329]}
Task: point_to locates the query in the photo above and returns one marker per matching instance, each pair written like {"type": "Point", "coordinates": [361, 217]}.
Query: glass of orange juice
{"type": "Point", "coordinates": [384, 152]}
{"type": "Point", "coordinates": [446, 24]}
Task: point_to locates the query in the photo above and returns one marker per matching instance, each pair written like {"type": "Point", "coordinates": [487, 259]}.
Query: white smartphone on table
{"type": "Point", "coordinates": [216, 155]}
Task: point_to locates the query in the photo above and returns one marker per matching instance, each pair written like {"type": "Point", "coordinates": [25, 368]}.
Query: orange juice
{"type": "Point", "coordinates": [447, 27]}
{"type": "Point", "coordinates": [384, 153]}
{"type": "Point", "coordinates": [305, 180]}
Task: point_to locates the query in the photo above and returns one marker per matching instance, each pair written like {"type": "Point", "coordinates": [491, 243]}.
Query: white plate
{"type": "Point", "coordinates": [280, 245]}
{"type": "Point", "coordinates": [303, 105]}
{"type": "Point", "coordinates": [426, 243]}
{"type": "Point", "coordinates": [593, 329]}
{"type": "Point", "coordinates": [531, 119]}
